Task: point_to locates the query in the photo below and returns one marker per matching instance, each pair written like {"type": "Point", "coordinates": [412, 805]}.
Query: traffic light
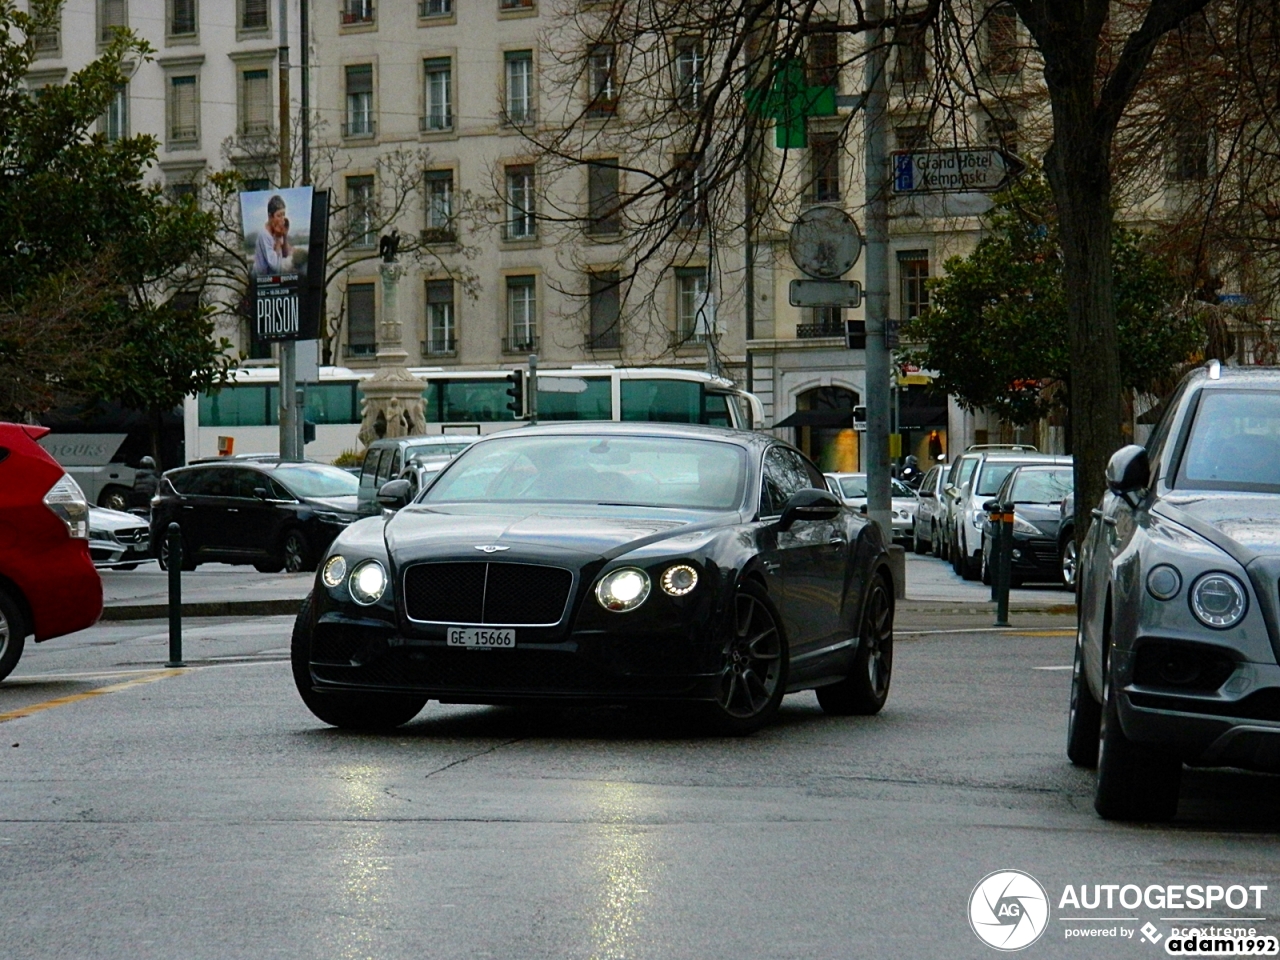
{"type": "Point", "coordinates": [855, 334]}
{"type": "Point", "coordinates": [308, 431]}
{"type": "Point", "coordinates": [516, 393]}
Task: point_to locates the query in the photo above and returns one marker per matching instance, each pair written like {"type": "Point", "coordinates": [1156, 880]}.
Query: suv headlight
{"type": "Point", "coordinates": [1218, 600]}
{"type": "Point", "coordinates": [368, 582]}
{"type": "Point", "coordinates": [623, 589]}
{"type": "Point", "coordinates": [66, 499]}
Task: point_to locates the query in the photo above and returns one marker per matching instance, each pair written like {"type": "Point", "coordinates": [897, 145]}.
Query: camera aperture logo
{"type": "Point", "coordinates": [1009, 910]}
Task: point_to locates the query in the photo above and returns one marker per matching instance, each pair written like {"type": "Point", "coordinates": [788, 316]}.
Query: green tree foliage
{"type": "Point", "coordinates": [110, 266]}
{"type": "Point", "coordinates": [996, 330]}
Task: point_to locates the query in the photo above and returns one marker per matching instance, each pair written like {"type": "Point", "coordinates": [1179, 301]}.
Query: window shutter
{"type": "Point", "coordinates": [113, 15]}
{"type": "Point", "coordinates": [254, 15]}
{"type": "Point", "coordinates": [360, 79]}
{"type": "Point", "coordinates": [257, 102]}
{"type": "Point", "coordinates": [360, 315]}
{"type": "Point", "coordinates": [184, 107]}
{"type": "Point", "coordinates": [184, 18]}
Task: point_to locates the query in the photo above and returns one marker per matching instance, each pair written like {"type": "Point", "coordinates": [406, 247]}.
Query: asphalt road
{"type": "Point", "coordinates": [205, 814]}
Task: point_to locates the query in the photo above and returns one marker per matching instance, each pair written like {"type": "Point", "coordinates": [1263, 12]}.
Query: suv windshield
{"type": "Point", "coordinates": [1234, 442]}
{"type": "Point", "coordinates": [317, 480]}
{"type": "Point", "coordinates": [639, 471]}
{"type": "Point", "coordinates": [1042, 486]}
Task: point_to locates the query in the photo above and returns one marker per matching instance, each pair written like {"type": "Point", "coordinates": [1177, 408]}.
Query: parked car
{"type": "Point", "coordinates": [604, 562]}
{"type": "Point", "coordinates": [926, 529]}
{"type": "Point", "coordinates": [1176, 655]}
{"type": "Point", "coordinates": [969, 517]}
{"type": "Point", "coordinates": [48, 586]}
{"type": "Point", "coordinates": [275, 514]}
{"type": "Point", "coordinates": [1067, 540]}
{"type": "Point", "coordinates": [1036, 492]}
{"type": "Point", "coordinates": [386, 460]}
{"type": "Point", "coordinates": [118, 540]}
{"type": "Point", "coordinates": [852, 489]}
{"type": "Point", "coordinates": [420, 471]}
{"type": "Point", "coordinates": [954, 488]}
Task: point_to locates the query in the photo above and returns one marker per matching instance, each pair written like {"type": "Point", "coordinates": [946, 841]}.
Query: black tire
{"type": "Point", "coordinates": [953, 549]}
{"type": "Point", "coordinates": [753, 674]}
{"type": "Point", "coordinates": [114, 497]}
{"type": "Point", "coordinates": [917, 545]}
{"type": "Point", "coordinates": [970, 567]}
{"type": "Point", "coordinates": [269, 566]}
{"type": "Point", "coordinates": [188, 555]}
{"type": "Point", "coordinates": [126, 566]}
{"type": "Point", "coordinates": [935, 544]}
{"type": "Point", "coordinates": [13, 634]}
{"type": "Point", "coordinates": [1135, 781]}
{"type": "Point", "coordinates": [349, 711]}
{"type": "Point", "coordinates": [1084, 715]}
{"type": "Point", "coordinates": [1067, 561]}
{"type": "Point", "coordinates": [985, 567]}
{"type": "Point", "coordinates": [864, 691]}
{"type": "Point", "coordinates": [296, 555]}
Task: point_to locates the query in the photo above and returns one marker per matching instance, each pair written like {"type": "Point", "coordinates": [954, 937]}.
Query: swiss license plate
{"type": "Point", "coordinates": [480, 639]}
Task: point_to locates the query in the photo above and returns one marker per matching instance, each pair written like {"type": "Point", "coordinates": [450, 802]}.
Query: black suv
{"type": "Point", "coordinates": [275, 515]}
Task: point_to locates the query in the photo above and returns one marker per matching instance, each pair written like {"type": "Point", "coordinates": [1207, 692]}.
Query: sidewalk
{"type": "Point", "coordinates": [213, 590]}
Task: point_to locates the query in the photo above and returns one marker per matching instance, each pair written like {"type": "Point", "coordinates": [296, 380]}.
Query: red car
{"type": "Point", "coordinates": [48, 585]}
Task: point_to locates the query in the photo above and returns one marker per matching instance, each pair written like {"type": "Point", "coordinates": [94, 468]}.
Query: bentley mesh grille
{"type": "Point", "coordinates": [513, 594]}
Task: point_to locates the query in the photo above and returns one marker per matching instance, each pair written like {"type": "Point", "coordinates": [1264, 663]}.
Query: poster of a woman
{"type": "Point", "coordinates": [277, 224]}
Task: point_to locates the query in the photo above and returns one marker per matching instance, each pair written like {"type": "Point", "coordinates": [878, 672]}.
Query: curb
{"type": "Point", "coordinates": [984, 608]}
{"type": "Point", "coordinates": [209, 608]}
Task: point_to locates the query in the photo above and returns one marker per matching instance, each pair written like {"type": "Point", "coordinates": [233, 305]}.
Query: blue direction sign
{"type": "Point", "coordinates": [954, 170]}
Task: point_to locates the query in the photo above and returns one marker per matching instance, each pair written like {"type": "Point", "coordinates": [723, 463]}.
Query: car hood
{"type": "Point", "coordinates": [1045, 517]}
{"type": "Point", "coordinates": [101, 518]}
{"type": "Point", "coordinates": [585, 531]}
{"type": "Point", "coordinates": [1246, 525]}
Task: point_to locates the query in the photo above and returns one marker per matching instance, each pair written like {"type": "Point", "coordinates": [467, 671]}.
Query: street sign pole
{"type": "Point", "coordinates": [876, 294]}
{"type": "Point", "coordinates": [288, 400]}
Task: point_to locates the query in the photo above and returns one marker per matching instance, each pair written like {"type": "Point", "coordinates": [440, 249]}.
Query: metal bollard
{"type": "Point", "coordinates": [1001, 575]}
{"type": "Point", "coordinates": [174, 540]}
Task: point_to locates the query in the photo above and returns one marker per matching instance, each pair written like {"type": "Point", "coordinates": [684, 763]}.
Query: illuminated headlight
{"type": "Point", "coordinates": [367, 583]}
{"type": "Point", "coordinates": [1218, 600]}
{"type": "Point", "coordinates": [679, 580]}
{"type": "Point", "coordinates": [624, 589]}
{"type": "Point", "coordinates": [1024, 527]}
{"type": "Point", "coordinates": [66, 499]}
{"type": "Point", "coordinates": [1164, 582]}
{"type": "Point", "coordinates": [335, 570]}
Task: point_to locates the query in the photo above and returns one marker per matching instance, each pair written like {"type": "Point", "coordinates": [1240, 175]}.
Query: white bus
{"type": "Point", "coordinates": [467, 402]}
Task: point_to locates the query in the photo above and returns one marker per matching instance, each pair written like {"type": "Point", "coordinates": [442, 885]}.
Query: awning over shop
{"type": "Point", "coordinates": [818, 418]}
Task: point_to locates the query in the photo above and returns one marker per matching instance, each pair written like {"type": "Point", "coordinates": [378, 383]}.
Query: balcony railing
{"type": "Point", "coordinates": [521, 229]}
{"type": "Point", "coordinates": [687, 339]}
{"type": "Point", "coordinates": [435, 123]}
{"type": "Point", "coordinates": [811, 331]}
{"type": "Point", "coordinates": [523, 344]}
{"type": "Point", "coordinates": [519, 117]}
{"type": "Point", "coordinates": [359, 128]}
{"type": "Point", "coordinates": [609, 340]}
{"type": "Point", "coordinates": [438, 235]}
{"type": "Point", "coordinates": [515, 4]}
{"type": "Point", "coordinates": [357, 11]}
{"type": "Point", "coordinates": [440, 347]}
{"type": "Point", "coordinates": [434, 8]}
{"type": "Point", "coordinates": [359, 350]}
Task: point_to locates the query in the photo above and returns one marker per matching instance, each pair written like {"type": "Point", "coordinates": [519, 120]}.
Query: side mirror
{"type": "Point", "coordinates": [260, 493]}
{"type": "Point", "coordinates": [394, 494]}
{"type": "Point", "coordinates": [1128, 470]}
{"type": "Point", "coordinates": [810, 504]}
{"type": "Point", "coordinates": [924, 494]}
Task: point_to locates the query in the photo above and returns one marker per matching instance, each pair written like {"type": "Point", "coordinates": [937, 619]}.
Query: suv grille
{"type": "Point", "coordinates": [516, 594]}
{"type": "Point", "coordinates": [133, 534]}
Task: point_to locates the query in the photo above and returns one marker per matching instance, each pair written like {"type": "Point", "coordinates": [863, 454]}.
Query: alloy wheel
{"type": "Point", "coordinates": [752, 660]}
{"type": "Point", "coordinates": [1069, 563]}
{"type": "Point", "coordinates": [294, 561]}
{"type": "Point", "coordinates": [878, 638]}
{"type": "Point", "coordinates": [6, 633]}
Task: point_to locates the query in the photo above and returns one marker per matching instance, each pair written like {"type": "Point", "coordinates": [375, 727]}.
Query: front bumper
{"type": "Point", "coordinates": [1037, 560]}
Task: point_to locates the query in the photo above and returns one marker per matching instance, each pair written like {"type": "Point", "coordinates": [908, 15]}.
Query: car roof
{"type": "Point", "coordinates": [1235, 376]}
{"type": "Point", "coordinates": [691, 431]}
{"type": "Point", "coordinates": [1047, 459]}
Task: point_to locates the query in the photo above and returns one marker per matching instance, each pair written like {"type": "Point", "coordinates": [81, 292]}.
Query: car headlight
{"type": "Point", "coordinates": [1218, 600]}
{"type": "Point", "coordinates": [623, 589]}
{"type": "Point", "coordinates": [339, 518]}
{"type": "Point", "coordinates": [334, 571]}
{"type": "Point", "coordinates": [979, 517]}
{"type": "Point", "coordinates": [679, 580]}
{"type": "Point", "coordinates": [368, 582]}
{"type": "Point", "coordinates": [1164, 581]}
{"type": "Point", "coordinates": [1025, 527]}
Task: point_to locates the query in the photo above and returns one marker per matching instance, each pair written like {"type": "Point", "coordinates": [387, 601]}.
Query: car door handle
{"type": "Point", "coordinates": [1109, 521]}
{"type": "Point", "coordinates": [771, 566]}
{"type": "Point", "coordinates": [838, 542]}
{"type": "Point", "coordinates": [233, 509]}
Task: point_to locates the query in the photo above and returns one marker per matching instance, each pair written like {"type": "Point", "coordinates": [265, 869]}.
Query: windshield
{"type": "Point", "coordinates": [317, 480]}
{"type": "Point", "coordinates": [631, 471]}
{"type": "Point", "coordinates": [1234, 442]}
{"type": "Point", "coordinates": [448, 448]}
{"type": "Point", "coordinates": [900, 489]}
{"type": "Point", "coordinates": [853, 486]}
{"type": "Point", "coordinates": [1042, 486]}
{"type": "Point", "coordinates": [993, 475]}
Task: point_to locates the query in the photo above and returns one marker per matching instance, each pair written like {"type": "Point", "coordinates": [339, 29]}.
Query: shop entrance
{"type": "Point", "coordinates": [823, 424]}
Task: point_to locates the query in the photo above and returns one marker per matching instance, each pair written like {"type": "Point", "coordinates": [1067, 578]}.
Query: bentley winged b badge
{"type": "Point", "coordinates": [490, 547]}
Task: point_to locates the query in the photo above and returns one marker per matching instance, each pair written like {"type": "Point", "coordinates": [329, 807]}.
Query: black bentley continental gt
{"type": "Point", "coordinates": [1176, 653]}
{"type": "Point", "coordinates": [603, 563]}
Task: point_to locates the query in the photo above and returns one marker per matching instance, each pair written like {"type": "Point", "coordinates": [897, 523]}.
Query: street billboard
{"type": "Point", "coordinates": [278, 227]}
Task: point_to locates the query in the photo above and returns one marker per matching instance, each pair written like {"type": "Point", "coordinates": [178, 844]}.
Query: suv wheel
{"type": "Point", "coordinates": [1135, 781]}
{"type": "Point", "coordinates": [1084, 716]}
{"type": "Point", "coordinates": [13, 634]}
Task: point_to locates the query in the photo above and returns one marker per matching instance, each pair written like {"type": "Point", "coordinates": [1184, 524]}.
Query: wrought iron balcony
{"type": "Point", "coordinates": [525, 344]}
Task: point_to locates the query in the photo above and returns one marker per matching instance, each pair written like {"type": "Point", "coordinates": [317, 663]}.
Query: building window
{"type": "Point", "coordinates": [255, 103]}
{"type": "Point", "coordinates": [253, 15]}
{"type": "Point", "coordinates": [357, 11]}
{"type": "Point", "coordinates": [1003, 132]}
{"type": "Point", "coordinates": [182, 18]}
{"type": "Point", "coordinates": [115, 122]}
{"type": "Point", "coordinates": [604, 307]}
{"type": "Point", "coordinates": [435, 8]}
{"type": "Point", "coordinates": [689, 72]}
{"type": "Point", "coordinates": [913, 271]}
{"type": "Point", "coordinates": [441, 338]}
{"type": "Point", "coordinates": [111, 14]}
{"type": "Point", "coordinates": [437, 94]}
{"type": "Point", "coordinates": [253, 184]}
{"type": "Point", "coordinates": [603, 215]}
{"type": "Point", "coordinates": [519, 75]}
{"type": "Point", "coordinates": [693, 305]}
{"type": "Point", "coordinates": [602, 80]}
{"type": "Point", "coordinates": [439, 207]}
{"type": "Point", "coordinates": [522, 315]}
{"type": "Point", "coordinates": [1001, 28]}
{"type": "Point", "coordinates": [181, 189]}
{"type": "Point", "coordinates": [913, 61]}
{"type": "Point", "coordinates": [360, 205]}
{"type": "Point", "coordinates": [362, 334]}
{"type": "Point", "coordinates": [515, 4]}
{"type": "Point", "coordinates": [824, 168]}
{"type": "Point", "coordinates": [911, 137]}
{"type": "Point", "coordinates": [1190, 149]}
{"type": "Point", "coordinates": [184, 110]}
{"type": "Point", "coordinates": [520, 223]}
{"type": "Point", "coordinates": [359, 101]}
{"type": "Point", "coordinates": [692, 192]}
{"type": "Point", "coordinates": [48, 42]}
{"type": "Point", "coordinates": [823, 61]}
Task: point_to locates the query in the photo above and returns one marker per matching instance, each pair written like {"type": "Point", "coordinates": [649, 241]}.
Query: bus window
{"type": "Point", "coordinates": [332, 403]}
{"type": "Point", "coordinates": [662, 401]}
{"type": "Point", "coordinates": [716, 413]}
{"type": "Point", "coordinates": [467, 401]}
{"type": "Point", "coordinates": [243, 406]}
{"type": "Point", "coordinates": [575, 398]}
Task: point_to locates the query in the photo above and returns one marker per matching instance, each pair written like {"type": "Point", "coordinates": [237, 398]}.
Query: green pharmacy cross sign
{"type": "Point", "coordinates": [790, 101]}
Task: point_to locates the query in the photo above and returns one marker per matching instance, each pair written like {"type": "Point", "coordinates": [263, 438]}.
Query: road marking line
{"type": "Point", "coordinates": [77, 697]}
{"type": "Point", "coordinates": [1003, 631]}
{"type": "Point", "coordinates": [1042, 633]}
{"type": "Point", "coordinates": [1068, 667]}
{"type": "Point", "coordinates": [82, 675]}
